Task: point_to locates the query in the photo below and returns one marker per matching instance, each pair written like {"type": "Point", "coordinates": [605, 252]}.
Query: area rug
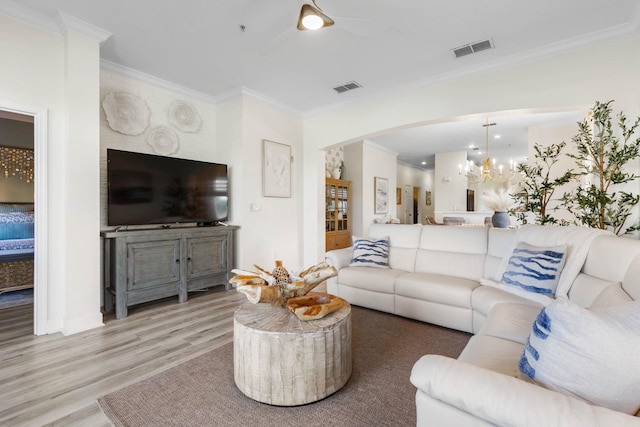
{"type": "Point", "coordinates": [202, 392]}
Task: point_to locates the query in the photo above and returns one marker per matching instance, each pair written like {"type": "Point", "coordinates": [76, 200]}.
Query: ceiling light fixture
{"type": "Point", "coordinates": [488, 171]}
{"type": "Point", "coordinates": [312, 18]}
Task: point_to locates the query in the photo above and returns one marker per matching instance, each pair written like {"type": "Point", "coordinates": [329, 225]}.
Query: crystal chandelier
{"type": "Point", "coordinates": [16, 162]}
{"type": "Point", "coordinates": [488, 171]}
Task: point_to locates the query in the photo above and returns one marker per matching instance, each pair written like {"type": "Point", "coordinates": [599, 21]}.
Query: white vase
{"type": "Point", "coordinates": [336, 173]}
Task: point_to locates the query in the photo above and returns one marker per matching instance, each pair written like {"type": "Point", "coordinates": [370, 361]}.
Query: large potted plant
{"type": "Point", "coordinates": [601, 161]}
{"type": "Point", "coordinates": [537, 187]}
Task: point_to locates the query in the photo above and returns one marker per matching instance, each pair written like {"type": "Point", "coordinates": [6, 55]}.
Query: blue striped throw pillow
{"type": "Point", "coordinates": [535, 269]}
{"type": "Point", "coordinates": [370, 252]}
{"type": "Point", "coordinates": [587, 353]}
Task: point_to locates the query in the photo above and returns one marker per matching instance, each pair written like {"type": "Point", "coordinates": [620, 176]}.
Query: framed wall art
{"type": "Point", "coordinates": [276, 169]}
{"type": "Point", "coordinates": [398, 196]}
{"type": "Point", "coordinates": [381, 195]}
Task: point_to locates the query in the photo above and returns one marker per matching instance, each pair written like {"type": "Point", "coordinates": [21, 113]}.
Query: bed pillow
{"type": "Point", "coordinates": [589, 354]}
{"type": "Point", "coordinates": [16, 225]}
{"type": "Point", "coordinates": [370, 252]}
{"type": "Point", "coordinates": [535, 269]}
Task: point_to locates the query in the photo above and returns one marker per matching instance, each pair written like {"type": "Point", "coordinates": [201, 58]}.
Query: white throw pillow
{"type": "Point", "coordinates": [589, 354]}
{"type": "Point", "coordinates": [370, 252]}
{"type": "Point", "coordinates": [535, 269]}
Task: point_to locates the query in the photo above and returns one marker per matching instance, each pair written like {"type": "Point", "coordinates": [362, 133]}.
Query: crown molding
{"type": "Point", "coordinates": [225, 96]}
{"type": "Point", "coordinates": [28, 16]}
{"type": "Point", "coordinates": [156, 81]}
{"type": "Point", "coordinates": [60, 24]}
{"type": "Point", "coordinates": [66, 22]}
{"type": "Point", "coordinates": [412, 166]}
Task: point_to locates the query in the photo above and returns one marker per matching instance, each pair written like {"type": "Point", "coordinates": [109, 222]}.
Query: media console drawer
{"type": "Point", "coordinates": [147, 265]}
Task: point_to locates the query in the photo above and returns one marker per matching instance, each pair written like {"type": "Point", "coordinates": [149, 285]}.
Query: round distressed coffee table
{"type": "Point", "coordinates": [281, 360]}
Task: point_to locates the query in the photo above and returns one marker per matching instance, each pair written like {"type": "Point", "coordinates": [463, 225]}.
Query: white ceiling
{"type": "Point", "coordinates": [385, 45]}
{"type": "Point", "coordinates": [508, 138]}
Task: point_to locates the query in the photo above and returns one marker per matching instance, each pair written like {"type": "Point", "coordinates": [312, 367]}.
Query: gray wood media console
{"type": "Point", "coordinates": [147, 265]}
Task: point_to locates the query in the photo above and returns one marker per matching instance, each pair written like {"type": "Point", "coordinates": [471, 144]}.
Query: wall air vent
{"type": "Point", "coordinates": [472, 48]}
{"type": "Point", "coordinates": [347, 86]}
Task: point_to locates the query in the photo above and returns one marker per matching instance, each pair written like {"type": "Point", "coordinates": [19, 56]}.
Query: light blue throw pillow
{"type": "Point", "coordinates": [535, 269]}
{"type": "Point", "coordinates": [370, 252]}
{"type": "Point", "coordinates": [590, 354]}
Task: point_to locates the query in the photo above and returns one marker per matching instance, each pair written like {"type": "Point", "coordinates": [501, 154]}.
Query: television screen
{"type": "Point", "coordinates": [150, 189]}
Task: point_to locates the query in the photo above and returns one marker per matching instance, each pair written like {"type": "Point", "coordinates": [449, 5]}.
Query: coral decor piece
{"type": "Point", "coordinates": [282, 289]}
{"type": "Point", "coordinates": [184, 116]}
{"type": "Point", "coordinates": [126, 113]}
{"type": "Point", "coordinates": [163, 140]}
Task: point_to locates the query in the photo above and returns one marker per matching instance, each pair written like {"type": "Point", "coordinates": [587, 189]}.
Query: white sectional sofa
{"type": "Point", "coordinates": [434, 276]}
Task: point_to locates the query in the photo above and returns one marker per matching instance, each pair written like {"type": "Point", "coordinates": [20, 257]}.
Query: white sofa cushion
{"type": "Point", "coordinates": [586, 288]}
{"type": "Point", "coordinates": [372, 279]}
{"type": "Point", "coordinates": [611, 295]}
{"type": "Point", "coordinates": [500, 244]}
{"type": "Point", "coordinates": [436, 288]}
{"type": "Point", "coordinates": [485, 298]}
{"type": "Point", "coordinates": [370, 252]}
{"type": "Point", "coordinates": [462, 265]}
{"type": "Point", "coordinates": [403, 243]}
{"type": "Point", "coordinates": [400, 235]}
{"type": "Point", "coordinates": [610, 257]}
{"type": "Point", "coordinates": [495, 399]}
{"type": "Point", "coordinates": [631, 280]}
{"type": "Point", "coordinates": [495, 354]}
{"type": "Point", "coordinates": [510, 322]}
{"type": "Point", "coordinates": [468, 240]}
{"type": "Point", "coordinates": [589, 354]}
{"type": "Point", "coordinates": [402, 259]}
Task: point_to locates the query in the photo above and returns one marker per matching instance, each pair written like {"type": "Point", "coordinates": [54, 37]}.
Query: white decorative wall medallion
{"type": "Point", "coordinates": [126, 113]}
{"type": "Point", "coordinates": [163, 140]}
{"type": "Point", "coordinates": [184, 117]}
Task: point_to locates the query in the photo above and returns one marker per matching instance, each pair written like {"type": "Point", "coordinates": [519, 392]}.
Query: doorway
{"type": "Point", "coordinates": [38, 117]}
{"type": "Point", "coordinates": [16, 210]}
{"type": "Point", "coordinates": [410, 210]}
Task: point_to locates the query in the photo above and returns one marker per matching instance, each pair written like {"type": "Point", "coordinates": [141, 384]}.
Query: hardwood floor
{"type": "Point", "coordinates": [54, 380]}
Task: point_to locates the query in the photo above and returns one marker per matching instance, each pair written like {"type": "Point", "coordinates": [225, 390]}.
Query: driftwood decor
{"type": "Point", "coordinates": [278, 287]}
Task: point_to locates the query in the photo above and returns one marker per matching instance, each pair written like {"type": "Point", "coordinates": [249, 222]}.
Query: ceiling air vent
{"type": "Point", "coordinates": [472, 48]}
{"type": "Point", "coordinates": [347, 86]}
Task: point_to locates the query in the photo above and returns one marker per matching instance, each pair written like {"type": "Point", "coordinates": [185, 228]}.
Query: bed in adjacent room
{"type": "Point", "coordinates": [16, 246]}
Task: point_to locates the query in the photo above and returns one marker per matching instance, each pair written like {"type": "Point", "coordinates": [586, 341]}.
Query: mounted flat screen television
{"type": "Point", "coordinates": [148, 189]}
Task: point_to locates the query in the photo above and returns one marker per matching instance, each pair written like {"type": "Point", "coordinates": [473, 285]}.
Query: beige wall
{"type": "Point", "coordinates": [423, 180]}
{"type": "Point", "coordinates": [451, 191]}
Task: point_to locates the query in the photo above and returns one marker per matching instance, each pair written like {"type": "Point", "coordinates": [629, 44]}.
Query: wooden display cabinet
{"type": "Point", "coordinates": [337, 214]}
